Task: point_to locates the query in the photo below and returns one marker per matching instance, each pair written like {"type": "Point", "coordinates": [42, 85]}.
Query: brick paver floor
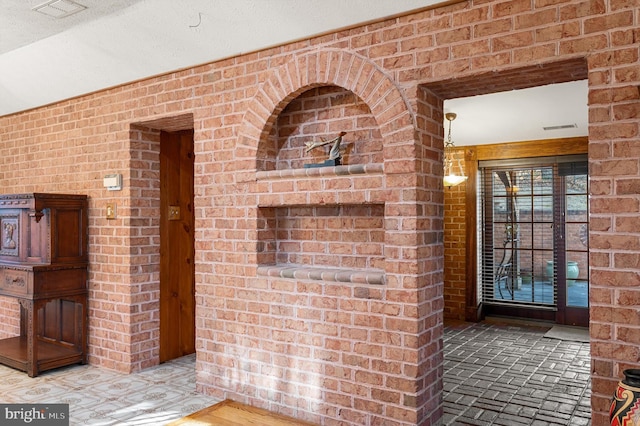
{"type": "Point", "coordinates": [505, 374]}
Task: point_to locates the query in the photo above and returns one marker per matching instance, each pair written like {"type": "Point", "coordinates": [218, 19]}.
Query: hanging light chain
{"type": "Point", "coordinates": [448, 146]}
{"type": "Point", "coordinates": [450, 177]}
{"type": "Point", "coordinates": [450, 116]}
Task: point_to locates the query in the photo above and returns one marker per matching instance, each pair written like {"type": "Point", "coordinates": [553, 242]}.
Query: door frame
{"type": "Point", "coordinates": [475, 310]}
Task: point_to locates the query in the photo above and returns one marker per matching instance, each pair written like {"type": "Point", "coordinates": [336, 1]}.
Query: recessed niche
{"type": "Point", "coordinates": [320, 114]}
{"type": "Point", "coordinates": [348, 237]}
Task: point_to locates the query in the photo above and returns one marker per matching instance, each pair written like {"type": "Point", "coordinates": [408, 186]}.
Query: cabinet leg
{"type": "Point", "coordinates": [32, 338]}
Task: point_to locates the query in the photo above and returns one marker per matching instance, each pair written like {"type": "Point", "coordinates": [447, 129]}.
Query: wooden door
{"type": "Point", "coordinates": [177, 290]}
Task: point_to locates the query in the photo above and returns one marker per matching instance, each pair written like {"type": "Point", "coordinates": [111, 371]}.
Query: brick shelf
{"type": "Point", "coordinates": [322, 274]}
{"type": "Point", "coordinates": [355, 169]}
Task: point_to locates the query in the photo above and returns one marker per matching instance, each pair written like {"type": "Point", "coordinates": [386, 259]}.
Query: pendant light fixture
{"type": "Point", "coordinates": [450, 177]}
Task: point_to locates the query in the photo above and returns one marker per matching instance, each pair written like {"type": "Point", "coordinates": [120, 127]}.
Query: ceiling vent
{"type": "Point", "coordinates": [562, 126]}
{"type": "Point", "coordinates": [59, 8]}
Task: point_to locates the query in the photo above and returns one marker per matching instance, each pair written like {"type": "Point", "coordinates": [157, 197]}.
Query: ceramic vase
{"type": "Point", "coordinates": [625, 405]}
{"type": "Point", "coordinates": [572, 271]}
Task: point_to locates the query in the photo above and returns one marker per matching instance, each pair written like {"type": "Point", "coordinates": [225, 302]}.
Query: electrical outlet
{"type": "Point", "coordinates": [174, 212]}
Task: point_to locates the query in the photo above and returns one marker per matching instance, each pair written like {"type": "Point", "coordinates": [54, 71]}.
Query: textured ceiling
{"type": "Point", "coordinates": [47, 59]}
{"type": "Point", "coordinates": [20, 25]}
{"type": "Point", "coordinates": [44, 59]}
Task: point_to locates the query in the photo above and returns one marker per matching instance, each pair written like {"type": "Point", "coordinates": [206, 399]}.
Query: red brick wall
{"type": "Point", "coordinates": [455, 227]}
{"type": "Point", "coordinates": [340, 236]}
{"type": "Point", "coordinates": [10, 313]}
{"type": "Point", "coordinates": [332, 351]}
{"type": "Point", "coordinates": [428, 236]}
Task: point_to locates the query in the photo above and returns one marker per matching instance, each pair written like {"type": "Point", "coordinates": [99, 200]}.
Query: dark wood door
{"type": "Point", "coordinates": [177, 291]}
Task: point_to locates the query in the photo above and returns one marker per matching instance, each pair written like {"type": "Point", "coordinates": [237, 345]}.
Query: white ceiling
{"type": "Point", "coordinates": [520, 115]}
{"type": "Point", "coordinates": [44, 59]}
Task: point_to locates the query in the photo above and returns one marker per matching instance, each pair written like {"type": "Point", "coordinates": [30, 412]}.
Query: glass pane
{"type": "Point", "coordinates": [577, 240]}
{"type": "Point", "coordinates": [542, 180]}
{"type": "Point", "coordinates": [522, 182]}
{"type": "Point", "coordinates": [543, 209]}
{"type": "Point", "coordinates": [576, 236]}
{"type": "Point", "coordinates": [499, 209]}
{"type": "Point", "coordinates": [524, 205]}
{"type": "Point", "coordinates": [544, 293]}
{"type": "Point", "coordinates": [543, 266]}
{"type": "Point", "coordinates": [576, 184]}
{"type": "Point", "coordinates": [499, 188]}
{"type": "Point", "coordinates": [543, 236]}
{"type": "Point", "coordinates": [548, 277]}
{"type": "Point", "coordinates": [577, 207]}
{"type": "Point", "coordinates": [581, 260]}
{"type": "Point", "coordinates": [578, 294]}
{"type": "Point", "coordinates": [501, 235]}
{"type": "Point", "coordinates": [525, 235]}
{"type": "Point", "coordinates": [577, 283]}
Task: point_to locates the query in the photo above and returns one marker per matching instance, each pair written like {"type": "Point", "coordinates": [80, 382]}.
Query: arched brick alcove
{"type": "Point", "coordinates": [322, 68]}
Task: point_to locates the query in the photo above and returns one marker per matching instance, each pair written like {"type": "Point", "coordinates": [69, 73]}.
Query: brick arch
{"type": "Point", "coordinates": [321, 68]}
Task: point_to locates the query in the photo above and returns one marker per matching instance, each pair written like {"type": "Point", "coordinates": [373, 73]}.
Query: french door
{"type": "Point", "coordinates": [534, 258]}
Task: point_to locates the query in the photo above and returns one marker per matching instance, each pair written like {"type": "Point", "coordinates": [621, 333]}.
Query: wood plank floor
{"type": "Point", "coordinates": [231, 413]}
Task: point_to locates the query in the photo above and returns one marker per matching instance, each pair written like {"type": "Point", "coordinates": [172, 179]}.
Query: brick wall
{"type": "Point", "coordinates": [324, 349]}
{"type": "Point", "coordinates": [455, 227]}
{"type": "Point", "coordinates": [10, 312]}
{"type": "Point", "coordinates": [341, 236]}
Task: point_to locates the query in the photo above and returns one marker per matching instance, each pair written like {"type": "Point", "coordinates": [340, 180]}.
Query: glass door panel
{"type": "Point", "coordinates": [522, 228]}
{"type": "Point", "coordinates": [576, 236]}
{"type": "Point", "coordinates": [533, 218]}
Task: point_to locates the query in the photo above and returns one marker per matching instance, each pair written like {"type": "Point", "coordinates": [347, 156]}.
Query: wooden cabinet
{"type": "Point", "coordinates": [43, 264]}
